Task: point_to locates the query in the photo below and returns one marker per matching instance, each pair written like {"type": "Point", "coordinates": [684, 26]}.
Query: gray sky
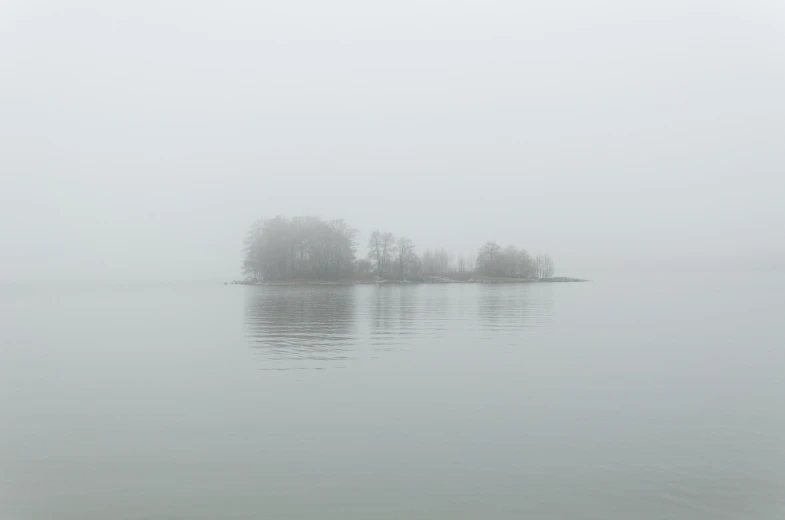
{"type": "Point", "coordinates": [139, 139]}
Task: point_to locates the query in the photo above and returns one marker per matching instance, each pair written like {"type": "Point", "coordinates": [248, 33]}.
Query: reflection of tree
{"type": "Point", "coordinates": [437, 307]}
{"type": "Point", "coordinates": [307, 324]}
{"type": "Point", "coordinates": [509, 307]}
{"type": "Point", "coordinates": [393, 310]}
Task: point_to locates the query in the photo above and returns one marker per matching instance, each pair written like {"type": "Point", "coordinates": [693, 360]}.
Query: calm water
{"type": "Point", "coordinates": [617, 399]}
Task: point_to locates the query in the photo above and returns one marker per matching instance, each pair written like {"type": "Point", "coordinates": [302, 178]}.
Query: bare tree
{"type": "Point", "coordinates": [388, 248]}
{"type": "Point", "coordinates": [436, 262]}
{"type": "Point", "coordinates": [406, 255]}
{"type": "Point", "coordinates": [375, 250]}
{"type": "Point", "coordinates": [544, 265]}
{"type": "Point", "coordinates": [363, 267]}
{"type": "Point", "coordinates": [381, 249]}
{"type": "Point", "coordinates": [460, 264]}
{"type": "Point", "coordinates": [493, 260]}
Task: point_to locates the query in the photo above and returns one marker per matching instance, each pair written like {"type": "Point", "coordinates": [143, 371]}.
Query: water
{"type": "Point", "coordinates": [617, 399]}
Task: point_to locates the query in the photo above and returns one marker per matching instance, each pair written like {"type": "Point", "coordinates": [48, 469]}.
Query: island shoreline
{"type": "Point", "coordinates": [488, 281]}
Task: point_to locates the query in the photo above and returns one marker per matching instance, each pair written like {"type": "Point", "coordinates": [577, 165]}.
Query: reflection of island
{"type": "Point", "coordinates": [503, 308]}
{"type": "Point", "coordinates": [393, 310]}
{"type": "Point", "coordinates": [301, 324]}
{"type": "Point", "coordinates": [295, 327]}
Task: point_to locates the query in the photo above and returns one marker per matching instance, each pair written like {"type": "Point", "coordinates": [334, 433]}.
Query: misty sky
{"type": "Point", "coordinates": [139, 139]}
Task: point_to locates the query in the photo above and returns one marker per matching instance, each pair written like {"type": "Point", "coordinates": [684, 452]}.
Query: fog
{"type": "Point", "coordinates": [138, 140]}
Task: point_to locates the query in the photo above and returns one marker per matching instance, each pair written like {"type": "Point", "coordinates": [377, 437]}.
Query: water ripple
{"type": "Point", "coordinates": [324, 326]}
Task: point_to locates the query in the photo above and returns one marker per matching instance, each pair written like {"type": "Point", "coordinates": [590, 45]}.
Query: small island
{"type": "Point", "coordinates": [310, 250]}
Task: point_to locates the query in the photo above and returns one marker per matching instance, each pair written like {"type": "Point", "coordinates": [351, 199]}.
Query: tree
{"type": "Point", "coordinates": [544, 266]}
{"type": "Point", "coordinates": [436, 262]}
{"type": "Point", "coordinates": [342, 246]}
{"type": "Point", "coordinates": [508, 261]}
{"type": "Point", "coordinates": [525, 264]}
{"type": "Point", "coordinates": [381, 249]}
{"type": "Point", "coordinates": [363, 267]}
{"type": "Point", "coordinates": [251, 252]}
{"type": "Point", "coordinates": [302, 247]}
{"type": "Point", "coordinates": [513, 262]}
{"type": "Point", "coordinates": [488, 259]}
{"type": "Point", "coordinates": [310, 248]}
{"type": "Point", "coordinates": [406, 256]}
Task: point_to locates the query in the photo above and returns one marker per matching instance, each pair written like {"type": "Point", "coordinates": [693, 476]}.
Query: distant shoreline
{"type": "Point", "coordinates": [430, 281]}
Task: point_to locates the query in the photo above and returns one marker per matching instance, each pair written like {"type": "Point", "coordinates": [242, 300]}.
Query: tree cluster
{"type": "Point", "coordinates": [513, 262]}
{"type": "Point", "coordinates": [299, 248]}
{"type": "Point", "coordinates": [310, 248]}
{"type": "Point", "coordinates": [391, 256]}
